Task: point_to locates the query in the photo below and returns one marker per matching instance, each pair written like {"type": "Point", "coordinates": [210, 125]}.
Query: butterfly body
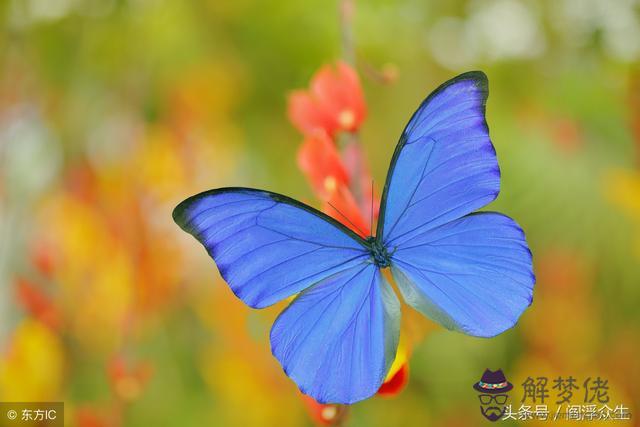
{"type": "Point", "coordinates": [469, 271]}
{"type": "Point", "coordinates": [379, 254]}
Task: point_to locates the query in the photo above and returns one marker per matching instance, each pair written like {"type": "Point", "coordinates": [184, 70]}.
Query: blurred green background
{"type": "Point", "coordinates": [112, 111]}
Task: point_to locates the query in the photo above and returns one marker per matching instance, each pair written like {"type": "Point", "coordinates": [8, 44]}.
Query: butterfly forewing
{"type": "Point", "coordinates": [266, 246]}
{"type": "Point", "coordinates": [444, 165]}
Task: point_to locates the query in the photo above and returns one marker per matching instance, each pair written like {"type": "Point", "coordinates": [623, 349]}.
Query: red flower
{"type": "Point", "coordinates": [334, 102]}
{"type": "Point", "coordinates": [342, 206]}
{"type": "Point", "coordinates": [38, 304]}
{"type": "Point", "coordinates": [396, 383]}
{"type": "Point", "coordinates": [43, 258]}
{"type": "Point", "coordinates": [86, 416]}
{"type": "Point", "coordinates": [398, 374]}
{"type": "Point", "coordinates": [128, 379]}
{"type": "Point", "coordinates": [360, 180]}
{"type": "Point", "coordinates": [320, 161]}
{"type": "Point", "coordinates": [325, 414]}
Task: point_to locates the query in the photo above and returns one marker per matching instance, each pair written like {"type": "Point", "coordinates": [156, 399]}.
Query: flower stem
{"type": "Point", "coordinates": [347, 12]}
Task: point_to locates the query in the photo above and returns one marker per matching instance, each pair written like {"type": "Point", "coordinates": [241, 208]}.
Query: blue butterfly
{"type": "Point", "coordinates": [471, 272]}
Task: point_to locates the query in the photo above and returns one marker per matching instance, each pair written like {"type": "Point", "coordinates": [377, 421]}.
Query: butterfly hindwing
{"type": "Point", "coordinates": [267, 246]}
{"type": "Point", "coordinates": [470, 272]}
{"type": "Point", "coordinates": [337, 339]}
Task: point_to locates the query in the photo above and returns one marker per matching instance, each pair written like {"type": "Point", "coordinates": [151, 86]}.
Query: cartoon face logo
{"type": "Point", "coordinates": [493, 388]}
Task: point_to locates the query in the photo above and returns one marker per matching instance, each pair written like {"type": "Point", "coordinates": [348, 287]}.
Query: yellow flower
{"type": "Point", "coordinates": [96, 276]}
{"type": "Point", "coordinates": [32, 367]}
{"type": "Point", "coordinates": [622, 188]}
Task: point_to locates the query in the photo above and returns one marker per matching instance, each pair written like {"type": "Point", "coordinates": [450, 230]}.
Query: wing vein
{"type": "Point", "coordinates": [422, 176]}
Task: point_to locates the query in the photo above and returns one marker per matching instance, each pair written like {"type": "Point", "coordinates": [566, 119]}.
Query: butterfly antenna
{"type": "Point", "coordinates": [371, 222]}
{"type": "Point", "coordinates": [348, 220]}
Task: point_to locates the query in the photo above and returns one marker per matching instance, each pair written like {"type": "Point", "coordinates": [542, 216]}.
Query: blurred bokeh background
{"type": "Point", "coordinates": [113, 111]}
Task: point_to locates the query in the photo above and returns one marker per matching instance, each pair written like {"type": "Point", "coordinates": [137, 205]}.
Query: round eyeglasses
{"type": "Point", "coordinates": [486, 399]}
